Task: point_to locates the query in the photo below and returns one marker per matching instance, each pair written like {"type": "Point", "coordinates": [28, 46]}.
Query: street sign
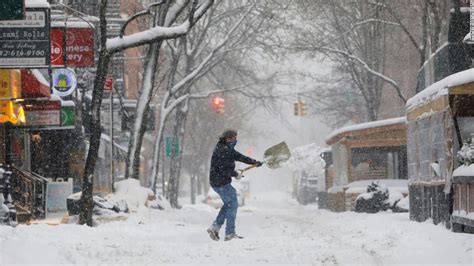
{"type": "Point", "coordinates": [64, 81]}
{"type": "Point", "coordinates": [26, 43]}
{"type": "Point", "coordinates": [12, 9]}
{"type": "Point", "coordinates": [168, 147]}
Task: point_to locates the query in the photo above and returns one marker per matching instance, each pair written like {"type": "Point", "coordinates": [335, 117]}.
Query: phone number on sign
{"type": "Point", "coordinates": [22, 53]}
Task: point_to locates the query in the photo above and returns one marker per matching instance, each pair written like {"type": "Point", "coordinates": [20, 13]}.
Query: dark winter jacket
{"type": "Point", "coordinates": [223, 164]}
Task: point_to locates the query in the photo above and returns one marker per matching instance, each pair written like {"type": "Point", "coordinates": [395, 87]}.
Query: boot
{"type": "Point", "coordinates": [232, 236]}
{"type": "Point", "coordinates": [213, 234]}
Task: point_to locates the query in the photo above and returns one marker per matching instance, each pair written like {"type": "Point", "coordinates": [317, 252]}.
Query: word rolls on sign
{"type": "Point", "coordinates": [26, 43]}
{"type": "Point", "coordinates": [73, 41]}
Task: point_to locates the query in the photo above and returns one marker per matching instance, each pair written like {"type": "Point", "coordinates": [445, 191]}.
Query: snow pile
{"type": "Point", "coordinates": [393, 185]}
{"type": "Point", "coordinates": [277, 230]}
{"type": "Point", "coordinates": [378, 198]}
{"type": "Point", "coordinates": [130, 192]}
{"type": "Point", "coordinates": [307, 158]}
{"type": "Point", "coordinates": [404, 203]}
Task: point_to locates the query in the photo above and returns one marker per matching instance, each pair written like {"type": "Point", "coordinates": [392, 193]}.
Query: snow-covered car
{"type": "Point", "coordinates": [307, 191]}
{"type": "Point", "coordinates": [308, 172]}
{"type": "Point", "coordinates": [215, 201]}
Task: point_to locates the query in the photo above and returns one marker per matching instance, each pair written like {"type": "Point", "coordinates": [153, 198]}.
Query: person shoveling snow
{"type": "Point", "coordinates": [221, 172]}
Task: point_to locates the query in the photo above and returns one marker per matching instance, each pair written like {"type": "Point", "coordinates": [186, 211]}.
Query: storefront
{"type": "Point", "coordinates": [440, 135]}
{"type": "Point", "coordinates": [40, 144]}
{"type": "Point", "coordinates": [368, 151]}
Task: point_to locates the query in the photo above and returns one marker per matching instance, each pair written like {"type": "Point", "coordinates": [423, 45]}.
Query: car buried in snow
{"type": "Point", "coordinates": [306, 188]}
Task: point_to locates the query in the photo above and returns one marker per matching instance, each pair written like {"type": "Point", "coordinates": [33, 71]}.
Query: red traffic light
{"type": "Point", "coordinates": [218, 104]}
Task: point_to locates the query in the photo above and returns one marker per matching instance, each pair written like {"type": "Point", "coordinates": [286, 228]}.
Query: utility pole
{"type": "Point", "coordinates": [112, 166]}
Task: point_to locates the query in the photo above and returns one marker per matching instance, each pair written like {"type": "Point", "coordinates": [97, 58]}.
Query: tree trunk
{"type": "Point", "coordinates": [175, 162]}
{"type": "Point", "coordinates": [87, 202]}
{"type": "Point", "coordinates": [139, 127]}
{"type": "Point", "coordinates": [85, 216]}
{"type": "Point", "coordinates": [143, 104]}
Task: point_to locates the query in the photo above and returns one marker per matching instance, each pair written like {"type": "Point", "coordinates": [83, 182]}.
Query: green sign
{"type": "Point", "coordinates": [12, 9]}
{"type": "Point", "coordinates": [168, 145]}
{"type": "Point", "coordinates": [67, 116]}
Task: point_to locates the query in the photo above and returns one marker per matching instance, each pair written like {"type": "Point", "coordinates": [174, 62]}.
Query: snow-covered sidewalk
{"type": "Point", "coordinates": [277, 230]}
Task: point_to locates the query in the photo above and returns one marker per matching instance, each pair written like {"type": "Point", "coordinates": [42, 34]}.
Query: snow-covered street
{"type": "Point", "coordinates": [276, 229]}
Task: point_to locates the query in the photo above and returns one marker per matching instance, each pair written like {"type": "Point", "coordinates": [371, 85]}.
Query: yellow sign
{"type": "Point", "coordinates": [10, 84]}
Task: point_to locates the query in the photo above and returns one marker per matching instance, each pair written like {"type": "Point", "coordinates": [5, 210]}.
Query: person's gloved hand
{"type": "Point", "coordinates": [258, 163]}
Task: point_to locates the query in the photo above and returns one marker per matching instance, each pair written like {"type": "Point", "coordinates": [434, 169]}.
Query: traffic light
{"type": "Point", "coordinates": [300, 109]}
{"type": "Point", "coordinates": [218, 104]}
{"type": "Point", "coordinates": [303, 109]}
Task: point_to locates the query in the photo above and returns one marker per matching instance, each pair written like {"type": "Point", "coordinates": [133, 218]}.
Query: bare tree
{"type": "Point", "coordinates": [178, 97]}
{"type": "Point", "coordinates": [108, 47]}
{"type": "Point", "coordinates": [356, 37]}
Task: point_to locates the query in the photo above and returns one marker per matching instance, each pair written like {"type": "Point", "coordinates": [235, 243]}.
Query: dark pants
{"type": "Point", "coordinates": [228, 211]}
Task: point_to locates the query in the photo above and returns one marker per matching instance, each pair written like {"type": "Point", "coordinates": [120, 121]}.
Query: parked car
{"type": "Point", "coordinates": [307, 189]}
{"type": "Point", "coordinates": [215, 201]}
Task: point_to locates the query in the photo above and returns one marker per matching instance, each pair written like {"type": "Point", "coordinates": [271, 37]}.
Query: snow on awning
{"type": "Point", "coordinates": [335, 135]}
{"type": "Point", "coordinates": [440, 88]}
{"type": "Point", "coordinates": [33, 84]}
{"type": "Point", "coordinates": [37, 4]}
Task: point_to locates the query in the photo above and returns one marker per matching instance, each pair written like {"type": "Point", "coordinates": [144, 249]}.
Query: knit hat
{"type": "Point", "coordinates": [229, 133]}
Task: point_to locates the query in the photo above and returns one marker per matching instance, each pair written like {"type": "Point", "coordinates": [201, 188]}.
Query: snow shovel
{"type": "Point", "coordinates": [273, 157]}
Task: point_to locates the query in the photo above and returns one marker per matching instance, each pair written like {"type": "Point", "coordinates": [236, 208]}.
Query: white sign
{"type": "Point", "coordinates": [56, 196]}
{"type": "Point", "coordinates": [43, 118]}
{"type": "Point", "coordinates": [64, 81]}
{"type": "Point", "coordinates": [33, 19]}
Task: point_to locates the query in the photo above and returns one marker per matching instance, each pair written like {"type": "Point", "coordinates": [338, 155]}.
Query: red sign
{"type": "Point", "coordinates": [79, 48]}
{"type": "Point", "coordinates": [109, 82]}
{"type": "Point", "coordinates": [42, 113]}
{"type": "Point", "coordinates": [42, 106]}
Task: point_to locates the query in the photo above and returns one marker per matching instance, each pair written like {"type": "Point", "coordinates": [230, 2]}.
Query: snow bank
{"type": "Point", "coordinates": [130, 191]}
{"type": "Point", "coordinates": [307, 158]}
{"type": "Point", "coordinates": [440, 88]}
{"type": "Point", "coordinates": [404, 203]}
{"type": "Point", "coordinates": [393, 185]}
{"type": "Point", "coordinates": [277, 231]}
{"type": "Point", "coordinates": [374, 124]}
{"type": "Point", "coordinates": [394, 196]}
